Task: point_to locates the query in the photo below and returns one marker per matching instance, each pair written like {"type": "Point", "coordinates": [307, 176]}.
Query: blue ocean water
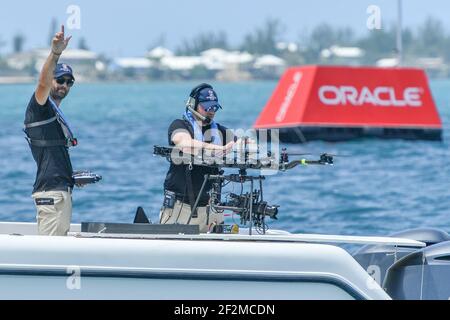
{"type": "Point", "coordinates": [383, 187]}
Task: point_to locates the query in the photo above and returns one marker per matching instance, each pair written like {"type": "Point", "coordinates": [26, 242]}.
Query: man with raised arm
{"type": "Point", "coordinates": [49, 136]}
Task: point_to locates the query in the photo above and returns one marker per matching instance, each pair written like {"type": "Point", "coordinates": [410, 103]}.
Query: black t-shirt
{"type": "Point", "coordinates": [176, 176]}
{"type": "Point", "coordinates": [54, 169]}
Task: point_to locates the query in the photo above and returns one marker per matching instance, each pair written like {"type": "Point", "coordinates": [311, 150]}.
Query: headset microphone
{"type": "Point", "coordinates": [192, 102]}
{"type": "Point", "coordinates": [189, 104]}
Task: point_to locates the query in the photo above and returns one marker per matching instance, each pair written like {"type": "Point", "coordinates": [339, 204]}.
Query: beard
{"type": "Point", "coordinates": [211, 115]}
{"type": "Point", "coordinates": [58, 93]}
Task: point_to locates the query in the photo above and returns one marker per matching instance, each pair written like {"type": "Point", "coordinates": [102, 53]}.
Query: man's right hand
{"type": "Point", "coordinates": [228, 147]}
{"type": "Point", "coordinates": [220, 151]}
{"type": "Point", "coordinates": [59, 43]}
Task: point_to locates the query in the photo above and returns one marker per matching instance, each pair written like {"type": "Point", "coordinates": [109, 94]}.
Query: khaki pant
{"type": "Point", "coordinates": [54, 212]}
{"type": "Point", "coordinates": [181, 213]}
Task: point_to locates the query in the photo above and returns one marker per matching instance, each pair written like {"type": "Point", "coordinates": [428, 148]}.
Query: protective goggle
{"type": "Point", "coordinates": [68, 81]}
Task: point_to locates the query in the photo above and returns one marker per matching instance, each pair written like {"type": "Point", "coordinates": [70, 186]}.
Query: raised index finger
{"type": "Point", "coordinates": [62, 29]}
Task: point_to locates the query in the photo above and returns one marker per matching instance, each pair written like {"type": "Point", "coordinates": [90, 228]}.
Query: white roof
{"type": "Point", "coordinates": [227, 57]}
{"type": "Point", "coordinates": [387, 62]}
{"type": "Point", "coordinates": [181, 62]}
{"type": "Point", "coordinates": [133, 63]}
{"type": "Point", "coordinates": [213, 59]}
{"type": "Point", "coordinates": [69, 54]}
{"type": "Point", "coordinates": [78, 54]}
{"type": "Point", "coordinates": [20, 60]}
{"type": "Point", "coordinates": [215, 52]}
{"type": "Point", "coordinates": [213, 64]}
{"type": "Point", "coordinates": [289, 46]}
{"type": "Point", "coordinates": [159, 52]}
{"type": "Point", "coordinates": [343, 52]}
{"type": "Point", "coordinates": [269, 60]}
{"type": "Point", "coordinates": [239, 57]}
{"type": "Point", "coordinates": [41, 53]}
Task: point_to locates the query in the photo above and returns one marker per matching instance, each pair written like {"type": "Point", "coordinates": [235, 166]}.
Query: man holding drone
{"type": "Point", "coordinates": [196, 132]}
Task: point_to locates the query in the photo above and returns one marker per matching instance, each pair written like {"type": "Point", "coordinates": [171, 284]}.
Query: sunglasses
{"type": "Point", "coordinates": [214, 108]}
{"type": "Point", "coordinates": [67, 81]}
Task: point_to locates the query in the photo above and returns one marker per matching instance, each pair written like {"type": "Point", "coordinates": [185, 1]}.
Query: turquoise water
{"type": "Point", "coordinates": [385, 186]}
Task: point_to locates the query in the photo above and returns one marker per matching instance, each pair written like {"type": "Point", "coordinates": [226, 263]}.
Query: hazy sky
{"type": "Point", "coordinates": [129, 28]}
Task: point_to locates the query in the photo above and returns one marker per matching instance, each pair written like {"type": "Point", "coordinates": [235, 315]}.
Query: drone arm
{"type": "Point", "coordinates": [324, 160]}
{"type": "Point", "coordinates": [293, 164]}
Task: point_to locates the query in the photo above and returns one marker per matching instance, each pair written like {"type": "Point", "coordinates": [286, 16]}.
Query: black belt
{"type": "Point", "coordinates": [185, 200]}
{"type": "Point", "coordinates": [182, 199]}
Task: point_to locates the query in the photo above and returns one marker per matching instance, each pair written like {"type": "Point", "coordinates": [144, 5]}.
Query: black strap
{"type": "Point", "coordinates": [46, 143]}
{"type": "Point", "coordinates": [189, 184]}
{"type": "Point", "coordinates": [40, 123]}
{"type": "Point", "coordinates": [190, 191]}
{"type": "Point", "coordinates": [188, 127]}
{"type": "Point", "coordinates": [70, 141]}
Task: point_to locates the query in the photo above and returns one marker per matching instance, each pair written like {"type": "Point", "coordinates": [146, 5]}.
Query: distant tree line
{"type": "Point", "coordinates": [430, 39]}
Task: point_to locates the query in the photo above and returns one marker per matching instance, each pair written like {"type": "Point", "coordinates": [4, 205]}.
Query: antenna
{"type": "Point", "coordinates": [399, 33]}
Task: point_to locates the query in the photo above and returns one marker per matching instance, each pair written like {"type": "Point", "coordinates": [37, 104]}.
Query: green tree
{"type": "Point", "coordinates": [82, 44]}
{"type": "Point", "coordinates": [52, 31]}
{"type": "Point", "coordinates": [446, 47]}
{"type": "Point", "coordinates": [264, 39]}
{"type": "Point", "coordinates": [161, 40]}
{"type": "Point", "coordinates": [18, 43]}
{"type": "Point", "coordinates": [345, 36]}
{"type": "Point", "coordinates": [2, 61]}
{"type": "Point", "coordinates": [202, 42]}
{"type": "Point", "coordinates": [378, 44]}
{"type": "Point", "coordinates": [431, 38]}
{"type": "Point", "coordinates": [322, 37]}
{"type": "Point", "coordinates": [2, 44]}
{"type": "Point", "coordinates": [409, 41]}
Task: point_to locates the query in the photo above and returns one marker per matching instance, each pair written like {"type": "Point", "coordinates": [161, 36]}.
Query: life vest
{"type": "Point", "coordinates": [69, 141]}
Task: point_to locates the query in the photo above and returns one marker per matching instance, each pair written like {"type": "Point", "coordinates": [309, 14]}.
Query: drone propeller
{"type": "Point", "coordinates": [262, 162]}
{"type": "Point", "coordinates": [313, 154]}
{"type": "Point", "coordinates": [300, 154]}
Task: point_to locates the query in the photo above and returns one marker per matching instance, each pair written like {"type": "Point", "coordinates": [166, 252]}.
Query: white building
{"type": "Point", "coordinates": [345, 55]}
{"type": "Point", "coordinates": [269, 66]}
{"type": "Point", "coordinates": [269, 61]}
{"type": "Point", "coordinates": [85, 64]}
{"type": "Point", "coordinates": [230, 65]}
{"type": "Point", "coordinates": [181, 63]}
{"type": "Point", "coordinates": [133, 63]}
{"type": "Point", "coordinates": [132, 67]}
{"type": "Point", "coordinates": [220, 59]}
{"type": "Point", "coordinates": [158, 53]}
{"type": "Point", "coordinates": [287, 46]}
{"type": "Point", "coordinates": [387, 62]}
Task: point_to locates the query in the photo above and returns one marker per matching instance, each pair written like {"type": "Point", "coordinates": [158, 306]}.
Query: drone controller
{"type": "Point", "coordinates": [85, 177]}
